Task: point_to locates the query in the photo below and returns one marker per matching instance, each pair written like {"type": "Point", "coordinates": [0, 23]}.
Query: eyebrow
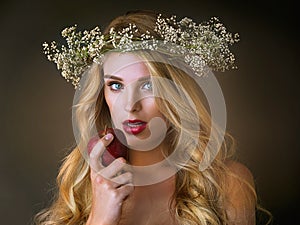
{"type": "Point", "coordinates": [120, 79]}
{"type": "Point", "coordinates": [113, 77]}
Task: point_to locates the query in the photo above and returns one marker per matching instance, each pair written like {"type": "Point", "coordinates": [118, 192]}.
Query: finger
{"type": "Point", "coordinates": [124, 178]}
{"type": "Point", "coordinates": [97, 151]}
{"type": "Point", "coordinates": [125, 190]}
{"type": "Point", "coordinates": [112, 169]}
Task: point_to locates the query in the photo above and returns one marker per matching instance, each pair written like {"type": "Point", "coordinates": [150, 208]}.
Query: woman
{"type": "Point", "coordinates": [150, 96]}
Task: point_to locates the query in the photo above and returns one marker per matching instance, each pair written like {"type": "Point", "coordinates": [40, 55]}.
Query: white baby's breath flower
{"type": "Point", "coordinates": [202, 45]}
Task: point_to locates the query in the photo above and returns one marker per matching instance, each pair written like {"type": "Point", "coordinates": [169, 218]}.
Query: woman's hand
{"type": "Point", "coordinates": [109, 187]}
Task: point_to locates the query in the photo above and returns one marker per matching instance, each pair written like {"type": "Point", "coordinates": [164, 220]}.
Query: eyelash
{"type": "Point", "coordinates": [110, 84]}
{"type": "Point", "coordinates": [148, 82]}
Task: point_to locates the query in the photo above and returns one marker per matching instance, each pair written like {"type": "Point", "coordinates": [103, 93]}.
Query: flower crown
{"type": "Point", "coordinates": [206, 44]}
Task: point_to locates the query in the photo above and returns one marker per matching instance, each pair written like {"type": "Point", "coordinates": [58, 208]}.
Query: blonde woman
{"type": "Point", "coordinates": [172, 175]}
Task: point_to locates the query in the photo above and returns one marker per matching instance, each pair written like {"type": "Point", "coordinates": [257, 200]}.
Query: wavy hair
{"type": "Point", "coordinates": [199, 196]}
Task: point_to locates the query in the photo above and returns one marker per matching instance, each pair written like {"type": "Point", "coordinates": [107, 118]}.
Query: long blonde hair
{"type": "Point", "coordinates": [199, 195]}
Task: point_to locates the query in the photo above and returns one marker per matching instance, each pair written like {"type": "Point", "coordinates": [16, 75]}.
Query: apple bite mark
{"type": "Point", "coordinates": [114, 150]}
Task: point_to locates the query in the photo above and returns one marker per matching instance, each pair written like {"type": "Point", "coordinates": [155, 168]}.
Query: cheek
{"type": "Point", "coordinates": [151, 107]}
{"type": "Point", "coordinates": [109, 99]}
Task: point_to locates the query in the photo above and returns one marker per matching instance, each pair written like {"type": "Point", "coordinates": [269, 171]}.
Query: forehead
{"type": "Point", "coordinates": [125, 65]}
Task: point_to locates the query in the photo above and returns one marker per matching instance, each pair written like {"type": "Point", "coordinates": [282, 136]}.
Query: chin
{"type": "Point", "coordinates": [143, 142]}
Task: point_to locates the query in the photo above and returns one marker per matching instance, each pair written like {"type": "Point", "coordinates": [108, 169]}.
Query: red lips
{"type": "Point", "coordinates": [134, 126]}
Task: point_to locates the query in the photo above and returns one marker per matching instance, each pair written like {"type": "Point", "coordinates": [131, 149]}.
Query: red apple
{"type": "Point", "coordinates": [115, 149]}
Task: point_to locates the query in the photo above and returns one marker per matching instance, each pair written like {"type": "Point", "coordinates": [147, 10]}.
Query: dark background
{"type": "Point", "coordinates": [262, 96]}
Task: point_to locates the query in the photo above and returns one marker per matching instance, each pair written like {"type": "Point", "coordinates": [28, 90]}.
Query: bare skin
{"type": "Point", "coordinates": [116, 201]}
{"type": "Point", "coordinates": [240, 205]}
{"type": "Point", "coordinates": [128, 205]}
{"type": "Point", "coordinates": [112, 192]}
{"type": "Point", "coordinates": [149, 204]}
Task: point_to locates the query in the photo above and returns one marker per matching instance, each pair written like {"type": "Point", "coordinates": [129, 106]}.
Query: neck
{"type": "Point", "coordinates": [159, 169]}
{"type": "Point", "coordinates": [145, 158]}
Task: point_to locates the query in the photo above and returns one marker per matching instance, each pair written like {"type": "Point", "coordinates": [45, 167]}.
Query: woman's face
{"type": "Point", "coordinates": [129, 96]}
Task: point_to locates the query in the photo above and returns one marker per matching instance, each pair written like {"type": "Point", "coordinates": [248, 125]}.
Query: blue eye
{"type": "Point", "coordinates": [115, 86]}
{"type": "Point", "coordinates": [147, 85]}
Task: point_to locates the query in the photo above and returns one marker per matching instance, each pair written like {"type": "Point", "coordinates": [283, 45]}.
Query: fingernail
{"type": "Point", "coordinates": [121, 159]}
{"type": "Point", "coordinates": [108, 136]}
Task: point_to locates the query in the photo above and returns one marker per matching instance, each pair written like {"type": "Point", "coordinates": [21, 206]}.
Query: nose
{"type": "Point", "coordinates": [132, 101]}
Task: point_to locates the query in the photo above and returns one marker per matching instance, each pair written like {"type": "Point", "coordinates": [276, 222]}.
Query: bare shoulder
{"type": "Point", "coordinates": [239, 172]}
{"type": "Point", "coordinates": [240, 194]}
